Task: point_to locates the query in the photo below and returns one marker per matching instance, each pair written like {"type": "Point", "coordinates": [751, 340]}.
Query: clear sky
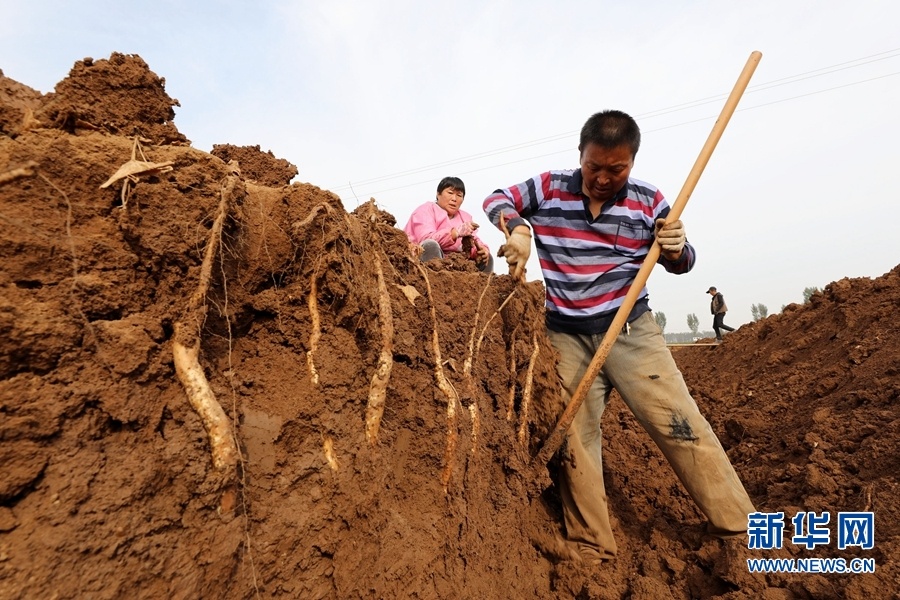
{"type": "Point", "coordinates": [383, 99]}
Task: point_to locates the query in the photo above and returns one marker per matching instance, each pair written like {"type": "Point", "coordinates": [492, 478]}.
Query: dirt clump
{"type": "Point", "coordinates": [108, 486]}
{"type": "Point", "coordinates": [17, 105]}
{"type": "Point", "coordinates": [262, 168]}
{"type": "Point", "coordinates": [119, 96]}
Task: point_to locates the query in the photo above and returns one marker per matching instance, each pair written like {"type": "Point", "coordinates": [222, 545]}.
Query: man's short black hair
{"type": "Point", "coordinates": [610, 129]}
{"type": "Point", "coordinates": [452, 182]}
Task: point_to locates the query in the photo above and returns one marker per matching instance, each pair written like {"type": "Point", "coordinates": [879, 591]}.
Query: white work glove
{"type": "Point", "coordinates": [465, 229]}
{"type": "Point", "coordinates": [517, 250]}
{"type": "Point", "coordinates": [671, 238]}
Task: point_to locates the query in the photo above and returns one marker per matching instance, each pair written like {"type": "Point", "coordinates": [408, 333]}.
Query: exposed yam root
{"type": "Point", "coordinates": [186, 350]}
{"type": "Point", "coordinates": [26, 170]}
{"type": "Point", "coordinates": [467, 370]}
{"type": "Point", "coordinates": [312, 215]}
{"type": "Point", "coordinates": [330, 458]}
{"type": "Point", "coordinates": [467, 365]}
{"type": "Point", "coordinates": [510, 403]}
{"type": "Point", "coordinates": [444, 385]}
{"type": "Point", "coordinates": [476, 426]}
{"type": "Point", "coordinates": [378, 386]}
{"type": "Point", "coordinates": [218, 427]}
{"type": "Point", "coordinates": [316, 328]}
{"type": "Point", "coordinates": [452, 436]}
{"type": "Point", "coordinates": [491, 318]}
{"type": "Point", "coordinates": [526, 394]}
{"type": "Point", "coordinates": [503, 227]}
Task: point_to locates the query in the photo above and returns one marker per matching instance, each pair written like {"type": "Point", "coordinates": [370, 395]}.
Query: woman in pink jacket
{"type": "Point", "coordinates": [440, 227]}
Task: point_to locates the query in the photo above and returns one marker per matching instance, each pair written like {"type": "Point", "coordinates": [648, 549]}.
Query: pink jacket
{"type": "Point", "coordinates": [431, 222]}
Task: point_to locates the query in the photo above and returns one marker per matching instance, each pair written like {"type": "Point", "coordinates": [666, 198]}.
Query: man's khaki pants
{"type": "Point", "coordinates": [643, 371]}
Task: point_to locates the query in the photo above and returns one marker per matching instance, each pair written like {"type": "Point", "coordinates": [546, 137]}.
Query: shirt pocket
{"type": "Point", "coordinates": [631, 239]}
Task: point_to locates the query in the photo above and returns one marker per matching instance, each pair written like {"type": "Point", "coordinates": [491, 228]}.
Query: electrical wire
{"type": "Point", "coordinates": [852, 64]}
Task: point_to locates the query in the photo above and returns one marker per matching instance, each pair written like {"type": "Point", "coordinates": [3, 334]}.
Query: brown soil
{"type": "Point", "coordinates": [108, 489]}
{"type": "Point", "coordinates": [257, 166]}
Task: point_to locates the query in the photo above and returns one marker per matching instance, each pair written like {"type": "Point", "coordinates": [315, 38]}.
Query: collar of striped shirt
{"type": "Point", "coordinates": [575, 184]}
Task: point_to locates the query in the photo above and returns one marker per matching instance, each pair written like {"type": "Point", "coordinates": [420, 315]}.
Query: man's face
{"type": "Point", "coordinates": [604, 170]}
{"type": "Point", "coordinates": [450, 199]}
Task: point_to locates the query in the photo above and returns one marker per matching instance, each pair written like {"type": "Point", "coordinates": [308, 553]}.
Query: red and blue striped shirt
{"type": "Point", "coordinates": [588, 263]}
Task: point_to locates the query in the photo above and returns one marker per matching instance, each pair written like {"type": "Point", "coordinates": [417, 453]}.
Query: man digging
{"type": "Point", "coordinates": [592, 228]}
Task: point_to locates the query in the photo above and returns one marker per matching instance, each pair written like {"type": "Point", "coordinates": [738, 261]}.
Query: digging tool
{"type": "Point", "coordinates": [555, 439]}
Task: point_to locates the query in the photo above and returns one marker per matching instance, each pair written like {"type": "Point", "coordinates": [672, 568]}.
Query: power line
{"type": "Point", "coordinates": [779, 82]}
{"type": "Point", "coordinates": [852, 64]}
{"type": "Point", "coordinates": [681, 124]}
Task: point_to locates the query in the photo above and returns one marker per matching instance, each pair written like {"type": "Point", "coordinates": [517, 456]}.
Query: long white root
{"type": "Point", "coordinates": [467, 366]}
{"type": "Point", "coordinates": [378, 385]}
{"type": "Point", "coordinates": [511, 401]}
{"type": "Point", "coordinates": [315, 328]}
{"type": "Point", "coordinates": [186, 350]}
{"type": "Point", "coordinates": [476, 426]}
{"type": "Point", "coordinates": [330, 458]}
{"type": "Point", "coordinates": [201, 397]}
{"type": "Point", "coordinates": [526, 394]}
{"type": "Point", "coordinates": [491, 318]}
{"type": "Point", "coordinates": [444, 385]}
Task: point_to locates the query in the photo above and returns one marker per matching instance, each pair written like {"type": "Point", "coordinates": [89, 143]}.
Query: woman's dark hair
{"type": "Point", "coordinates": [452, 182]}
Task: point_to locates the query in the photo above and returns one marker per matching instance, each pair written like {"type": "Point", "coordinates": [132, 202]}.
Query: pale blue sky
{"type": "Point", "coordinates": [388, 97]}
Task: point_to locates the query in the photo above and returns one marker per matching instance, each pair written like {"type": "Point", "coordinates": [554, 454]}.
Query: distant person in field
{"type": "Point", "coordinates": [441, 227]}
{"type": "Point", "coordinates": [593, 227]}
{"type": "Point", "coordinates": [718, 309]}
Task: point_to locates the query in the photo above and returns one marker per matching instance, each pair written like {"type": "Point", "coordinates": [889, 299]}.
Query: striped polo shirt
{"type": "Point", "coordinates": [588, 264]}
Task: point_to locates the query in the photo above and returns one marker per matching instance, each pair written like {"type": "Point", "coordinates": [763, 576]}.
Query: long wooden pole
{"type": "Point", "coordinates": [555, 439]}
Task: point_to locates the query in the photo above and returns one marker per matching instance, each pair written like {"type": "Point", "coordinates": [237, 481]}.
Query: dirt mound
{"type": "Point", "coordinates": [17, 105]}
{"type": "Point", "coordinates": [384, 412]}
{"type": "Point", "coordinates": [120, 96]}
{"type": "Point", "coordinates": [257, 166]}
